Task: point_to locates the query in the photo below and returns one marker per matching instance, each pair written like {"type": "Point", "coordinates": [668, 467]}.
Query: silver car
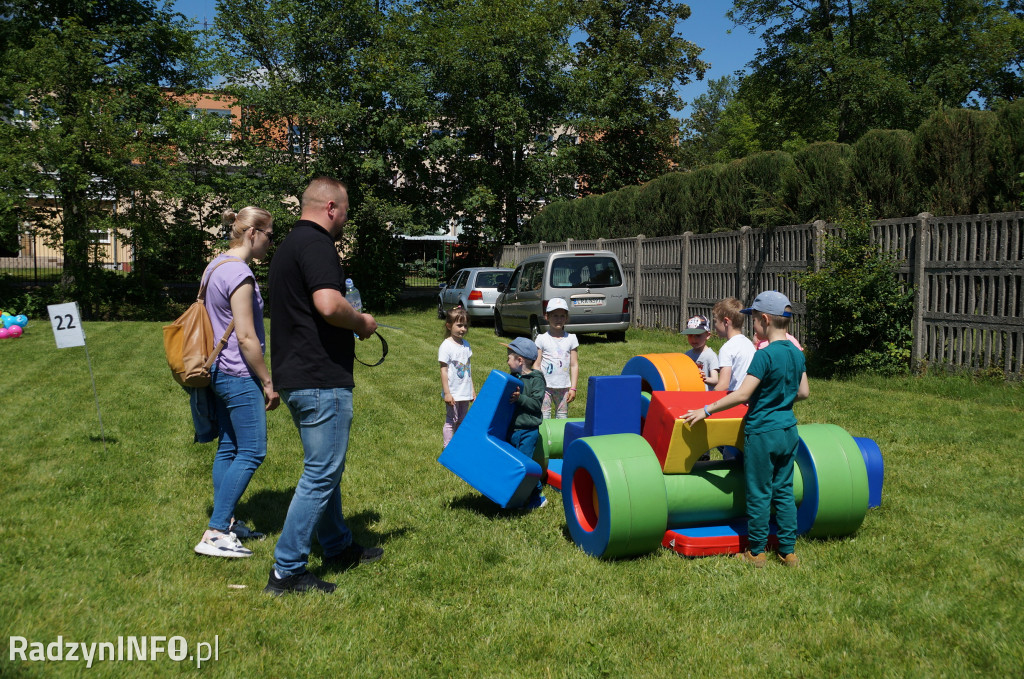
{"type": "Point", "coordinates": [591, 283]}
{"type": "Point", "coordinates": [475, 288]}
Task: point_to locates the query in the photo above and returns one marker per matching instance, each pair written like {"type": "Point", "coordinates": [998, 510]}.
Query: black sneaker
{"type": "Point", "coordinates": [243, 532]}
{"type": "Point", "coordinates": [300, 582]}
{"type": "Point", "coordinates": [353, 555]}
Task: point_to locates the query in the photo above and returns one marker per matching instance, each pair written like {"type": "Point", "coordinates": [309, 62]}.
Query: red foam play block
{"type": "Point", "coordinates": [710, 540]}
{"type": "Point", "coordinates": [668, 406]}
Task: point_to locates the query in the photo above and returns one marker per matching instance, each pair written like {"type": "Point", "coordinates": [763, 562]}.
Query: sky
{"type": "Point", "coordinates": [727, 48]}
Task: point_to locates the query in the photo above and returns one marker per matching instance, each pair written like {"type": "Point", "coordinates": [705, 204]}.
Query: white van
{"type": "Point", "coordinates": [590, 282]}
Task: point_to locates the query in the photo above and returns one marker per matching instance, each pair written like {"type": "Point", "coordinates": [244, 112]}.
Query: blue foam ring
{"type": "Point", "coordinates": [479, 453]}
{"type": "Point", "coordinates": [807, 510]}
{"type": "Point", "coordinates": [876, 469]}
{"type": "Point", "coordinates": [594, 540]}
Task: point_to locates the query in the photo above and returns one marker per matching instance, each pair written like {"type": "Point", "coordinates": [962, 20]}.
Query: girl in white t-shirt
{"type": "Point", "coordinates": [456, 379]}
{"type": "Point", "coordinates": [557, 359]}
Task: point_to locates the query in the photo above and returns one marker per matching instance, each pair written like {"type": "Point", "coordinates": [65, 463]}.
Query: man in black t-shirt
{"type": "Point", "coordinates": [311, 335]}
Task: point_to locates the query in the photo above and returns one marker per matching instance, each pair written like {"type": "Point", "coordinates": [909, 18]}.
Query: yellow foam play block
{"type": "Point", "coordinates": [688, 444]}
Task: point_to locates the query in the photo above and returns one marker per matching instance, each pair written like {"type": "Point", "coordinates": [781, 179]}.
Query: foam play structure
{"type": "Point", "coordinates": [630, 472]}
{"type": "Point", "coordinates": [479, 452]}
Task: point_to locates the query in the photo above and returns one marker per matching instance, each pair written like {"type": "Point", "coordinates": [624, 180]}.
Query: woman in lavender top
{"type": "Point", "coordinates": [240, 380]}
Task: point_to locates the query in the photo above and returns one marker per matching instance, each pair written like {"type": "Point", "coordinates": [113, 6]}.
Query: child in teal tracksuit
{"type": "Point", "coordinates": [775, 379]}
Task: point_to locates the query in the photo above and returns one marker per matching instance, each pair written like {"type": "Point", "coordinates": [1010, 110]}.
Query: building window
{"type": "Point", "coordinates": [297, 141]}
{"type": "Point", "coordinates": [223, 131]}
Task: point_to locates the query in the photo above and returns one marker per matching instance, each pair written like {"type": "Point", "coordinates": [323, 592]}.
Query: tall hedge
{"type": "Point", "coordinates": [957, 162]}
{"type": "Point", "coordinates": [656, 207]}
{"type": "Point", "coordinates": [955, 155]}
{"type": "Point", "coordinates": [823, 181]}
{"type": "Point", "coordinates": [623, 211]}
{"type": "Point", "coordinates": [730, 208]}
{"type": "Point", "coordinates": [767, 188]}
{"type": "Point", "coordinates": [1009, 158]}
{"type": "Point", "coordinates": [884, 172]}
{"type": "Point", "coordinates": [697, 200]}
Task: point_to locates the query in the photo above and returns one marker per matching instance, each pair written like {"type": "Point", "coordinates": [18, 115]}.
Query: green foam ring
{"type": "Point", "coordinates": [840, 479]}
{"type": "Point", "coordinates": [629, 489]}
{"type": "Point", "coordinates": [549, 443]}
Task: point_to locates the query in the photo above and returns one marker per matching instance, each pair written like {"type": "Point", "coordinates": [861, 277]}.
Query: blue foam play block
{"type": "Point", "coordinates": [479, 454]}
{"type": "Point", "coordinates": [613, 407]}
{"type": "Point", "coordinates": [573, 431]}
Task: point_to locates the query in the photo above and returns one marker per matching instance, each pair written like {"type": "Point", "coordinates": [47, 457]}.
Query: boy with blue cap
{"type": "Point", "coordinates": [522, 354]}
{"type": "Point", "coordinates": [775, 379]}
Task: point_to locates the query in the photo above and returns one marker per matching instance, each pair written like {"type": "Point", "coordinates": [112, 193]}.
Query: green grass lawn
{"type": "Point", "coordinates": [96, 543]}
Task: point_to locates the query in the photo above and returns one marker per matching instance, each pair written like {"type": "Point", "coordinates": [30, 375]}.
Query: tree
{"type": "Point", "coordinates": [858, 310]}
{"type": "Point", "coordinates": [310, 95]}
{"type": "Point", "coordinates": [625, 79]}
{"type": "Point", "coordinates": [883, 168]}
{"type": "Point", "coordinates": [328, 88]}
{"type": "Point", "coordinates": [454, 113]}
{"type": "Point", "coordinates": [497, 75]}
{"type": "Point", "coordinates": [830, 71]}
{"type": "Point", "coordinates": [80, 91]}
{"type": "Point", "coordinates": [719, 128]}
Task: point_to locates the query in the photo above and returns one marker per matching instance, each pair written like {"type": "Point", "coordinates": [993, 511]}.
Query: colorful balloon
{"type": "Point", "coordinates": [14, 332]}
{"type": "Point", "coordinates": [8, 321]}
{"type": "Point", "coordinates": [4, 333]}
{"type": "Point", "coordinates": [21, 320]}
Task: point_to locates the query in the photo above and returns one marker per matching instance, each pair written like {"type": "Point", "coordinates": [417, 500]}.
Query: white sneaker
{"type": "Point", "coordinates": [222, 544]}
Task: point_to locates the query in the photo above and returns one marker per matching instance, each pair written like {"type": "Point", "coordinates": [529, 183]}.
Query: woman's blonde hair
{"type": "Point", "coordinates": [243, 220]}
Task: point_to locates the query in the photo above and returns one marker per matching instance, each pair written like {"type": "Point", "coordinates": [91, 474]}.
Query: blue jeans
{"type": "Point", "coordinates": [323, 417]}
{"type": "Point", "coordinates": [242, 421]}
{"type": "Point", "coordinates": [525, 441]}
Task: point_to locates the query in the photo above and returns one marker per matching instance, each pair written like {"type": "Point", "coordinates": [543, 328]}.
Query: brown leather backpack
{"type": "Point", "coordinates": [188, 341]}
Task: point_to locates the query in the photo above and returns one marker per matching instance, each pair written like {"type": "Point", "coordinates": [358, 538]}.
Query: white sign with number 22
{"type": "Point", "coordinates": [67, 326]}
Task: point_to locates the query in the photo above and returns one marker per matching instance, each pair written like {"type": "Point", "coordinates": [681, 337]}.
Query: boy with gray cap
{"type": "Point", "coordinates": [522, 354]}
{"type": "Point", "coordinates": [775, 379]}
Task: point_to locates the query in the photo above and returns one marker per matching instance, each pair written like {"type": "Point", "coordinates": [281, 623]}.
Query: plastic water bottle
{"type": "Point", "coordinates": [353, 297]}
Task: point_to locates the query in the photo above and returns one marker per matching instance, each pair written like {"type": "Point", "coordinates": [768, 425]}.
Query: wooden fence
{"type": "Point", "coordinates": [966, 272]}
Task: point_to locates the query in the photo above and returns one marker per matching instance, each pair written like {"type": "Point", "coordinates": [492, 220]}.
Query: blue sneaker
{"type": "Point", "coordinates": [536, 501]}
